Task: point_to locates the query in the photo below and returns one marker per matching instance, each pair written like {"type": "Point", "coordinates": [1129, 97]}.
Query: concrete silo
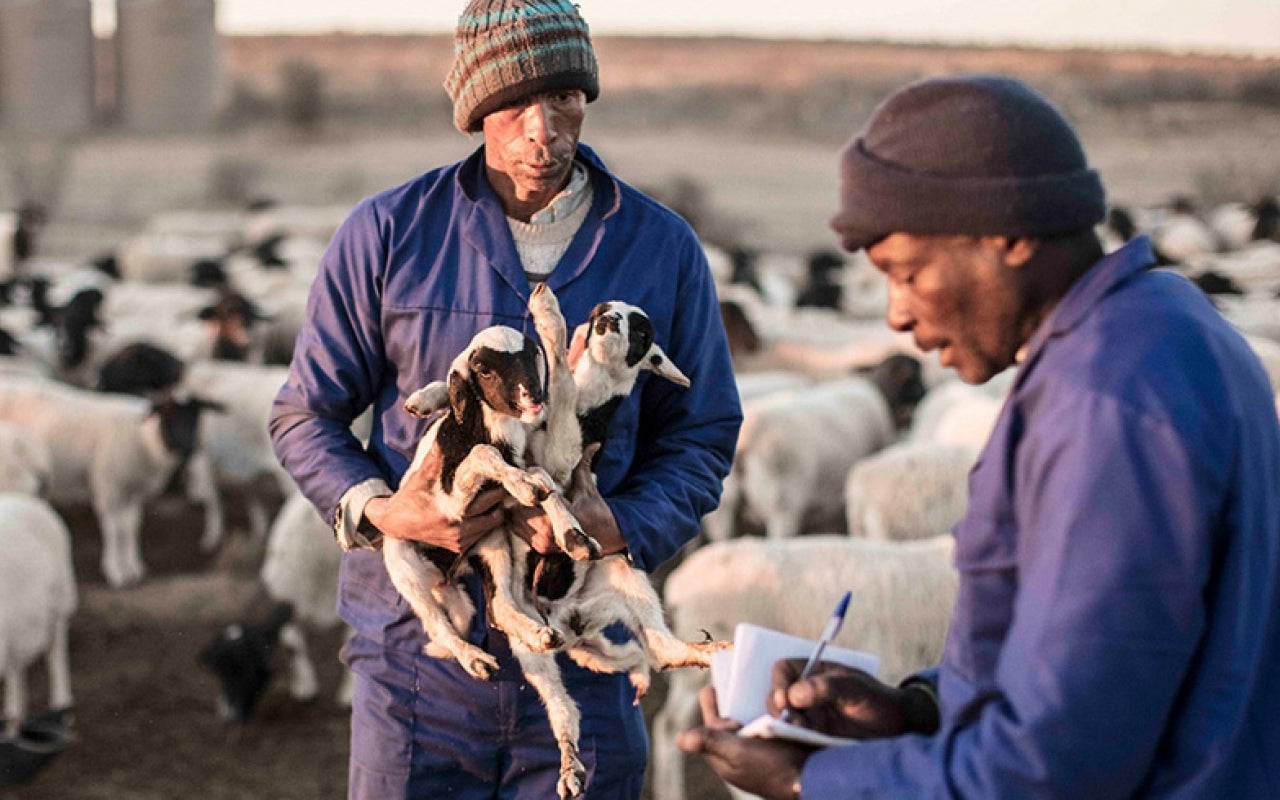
{"type": "Point", "coordinates": [169, 65]}
{"type": "Point", "coordinates": [46, 66]}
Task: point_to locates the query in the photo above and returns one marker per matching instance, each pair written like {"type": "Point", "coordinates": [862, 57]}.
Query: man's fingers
{"type": "Point", "coordinates": [808, 692]}
{"type": "Point", "coordinates": [486, 500]}
{"type": "Point", "coordinates": [475, 527]}
{"type": "Point", "coordinates": [693, 740]}
{"type": "Point", "coordinates": [709, 704]}
{"type": "Point", "coordinates": [582, 472]}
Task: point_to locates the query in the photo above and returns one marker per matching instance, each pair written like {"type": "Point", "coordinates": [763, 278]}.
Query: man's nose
{"type": "Point", "coordinates": [897, 313]}
{"type": "Point", "coordinates": [537, 123]}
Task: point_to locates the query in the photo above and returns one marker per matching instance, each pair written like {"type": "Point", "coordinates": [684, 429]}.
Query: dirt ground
{"type": "Point", "coordinates": [145, 720]}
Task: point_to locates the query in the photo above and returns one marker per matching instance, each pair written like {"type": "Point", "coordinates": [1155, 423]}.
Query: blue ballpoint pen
{"type": "Point", "coordinates": [828, 634]}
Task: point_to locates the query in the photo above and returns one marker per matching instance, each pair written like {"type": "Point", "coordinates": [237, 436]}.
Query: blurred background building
{"type": "Point", "coordinates": [160, 72]}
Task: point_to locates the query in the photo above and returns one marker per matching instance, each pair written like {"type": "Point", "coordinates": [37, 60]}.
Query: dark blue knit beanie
{"type": "Point", "coordinates": [967, 154]}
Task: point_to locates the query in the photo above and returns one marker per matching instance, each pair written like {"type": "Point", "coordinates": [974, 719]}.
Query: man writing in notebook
{"type": "Point", "coordinates": [1117, 627]}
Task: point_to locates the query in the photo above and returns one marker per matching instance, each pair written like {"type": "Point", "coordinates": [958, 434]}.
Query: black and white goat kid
{"type": "Point", "coordinates": [495, 396]}
{"type": "Point", "coordinates": [580, 598]}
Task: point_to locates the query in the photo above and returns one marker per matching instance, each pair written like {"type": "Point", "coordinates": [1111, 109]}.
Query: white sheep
{"type": "Point", "coordinates": [237, 441]}
{"type": "Point", "coordinates": [1182, 236]}
{"type": "Point", "coordinates": [903, 594]}
{"type": "Point", "coordinates": [301, 568]}
{"type": "Point", "coordinates": [909, 490]}
{"type": "Point", "coordinates": [120, 451]}
{"type": "Point", "coordinates": [166, 257]}
{"type": "Point", "coordinates": [1256, 314]}
{"type": "Point", "coordinates": [25, 463]}
{"type": "Point", "coordinates": [957, 413]}
{"type": "Point", "coordinates": [8, 229]}
{"type": "Point", "coordinates": [1233, 223]}
{"type": "Point", "coordinates": [314, 221]}
{"type": "Point", "coordinates": [1255, 268]}
{"type": "Point", "coordinates": [37, 599]}
{"type": "Point", "coordinates": [721, 524]}
{"type": "Point", "coordinates": [795, 449]}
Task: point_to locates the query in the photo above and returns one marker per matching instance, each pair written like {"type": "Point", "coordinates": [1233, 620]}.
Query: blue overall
{"type": "Point", "coordinates": [1117, 628]}
{"type": "Point", "coordinates": [408, 279]}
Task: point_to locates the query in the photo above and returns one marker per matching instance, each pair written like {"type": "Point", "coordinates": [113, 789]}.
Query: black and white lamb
{"type": "Point", "coordinates": [495, 397]}
{"type": "Point", "coordinates": [578, 598]}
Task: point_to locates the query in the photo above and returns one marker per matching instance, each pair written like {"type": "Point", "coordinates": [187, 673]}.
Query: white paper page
{"type": "Point", "coordinates": [755, 649]}
{"type": "Point", "coordinates": [722, 673]}
{"type": "Point", "coordinates": [768, 727]}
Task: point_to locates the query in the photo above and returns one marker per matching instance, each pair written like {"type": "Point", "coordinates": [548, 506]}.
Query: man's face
{"type": "Point", "coordinates": [532, 142]}
{"type": "Point", "coordinates": [955, 294]}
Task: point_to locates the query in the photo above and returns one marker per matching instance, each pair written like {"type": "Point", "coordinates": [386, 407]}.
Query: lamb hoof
{"type": "Point", "coordinates": [582, 547]}
{"type": "Point", "coordinates": [641, 684]}
{"type": "Point", "coordinates": [548, 639]}
{"type": "Point", "coordinates": [482, 668]}
{"type": "Point", "coordinates": [572, 780]}
{"type": "Point", "coordinates": [427, 400]}
{"type": "Point", "coordinates": [530, 489]}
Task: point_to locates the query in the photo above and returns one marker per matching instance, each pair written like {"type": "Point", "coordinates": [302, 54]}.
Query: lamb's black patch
{"type": "Point", "coordinates": [576, 623]}
{"type": "Point", "coordinates": [179, 426]}
{"type": "Point", "coordinates": [556, 576]}
{"type": "Point", "coordinates": [899, 378]}
{"type": "Point", "coordinates": [140, 368]}
{"type": "Point", "coordinates": [1211, 283]}
{"type": "Point", "coordinates": [444, 560]}
{"type": "Point", "coordinates": [208, 273]}
{"type": "Point", "coordinates": [1268, 222]}
{"type": "Point", "coordinates": [74, 321]}
{"type": "Point", "coordinates": [639, 337]}
{"type": "Point", "coordinates": [497, 376]}
{"type": "Point", "coordinates": [481, 568]}
{"type": "Point", "coordinates": [268, 252]}
{"type": "Point", "coordinates": [242, 656]}
{"type": "Point", "coordinates": [595, 422]}
{"type": "Point", "coordinates": [460, 430]}
{"type": "Point", "coordinates": [8, 345]}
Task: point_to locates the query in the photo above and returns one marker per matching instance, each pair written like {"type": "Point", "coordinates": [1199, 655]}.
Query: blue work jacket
{"type": "Point", "coordinates": [1117, 628]}
{"type": "Point", "coordinates": [416, 271]}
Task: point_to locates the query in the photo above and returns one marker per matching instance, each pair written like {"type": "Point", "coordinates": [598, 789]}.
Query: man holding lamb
{"type": "Point", "coordinates": [411, 276]}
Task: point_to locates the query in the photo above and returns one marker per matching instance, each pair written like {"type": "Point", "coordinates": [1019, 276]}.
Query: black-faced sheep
{"type": "Point", "coordinates": [120, 451]}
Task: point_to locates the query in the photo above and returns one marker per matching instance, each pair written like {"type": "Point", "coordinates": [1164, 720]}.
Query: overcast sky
{"type": "Point", "coordinates": [1241, 26]}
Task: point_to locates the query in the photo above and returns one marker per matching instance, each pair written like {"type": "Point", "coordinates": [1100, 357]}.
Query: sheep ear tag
{"type": "Point", "coordinates": [657, 361]}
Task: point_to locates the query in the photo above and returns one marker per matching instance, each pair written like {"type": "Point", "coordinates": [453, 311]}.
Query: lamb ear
{"type": "Point", "coordinates": [460, 395]}
{"type": "Point", "coordinates": [657, 361]}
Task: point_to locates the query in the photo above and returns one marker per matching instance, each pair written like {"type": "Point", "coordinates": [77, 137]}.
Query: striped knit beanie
{"type": "Point", "coordinates": [507, 49]}
{"type": "Point", "coordinates": [972, 155]}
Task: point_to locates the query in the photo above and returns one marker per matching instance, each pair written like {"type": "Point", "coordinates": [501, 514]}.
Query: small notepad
{"type": "Point", "coordinates": [743, 678]}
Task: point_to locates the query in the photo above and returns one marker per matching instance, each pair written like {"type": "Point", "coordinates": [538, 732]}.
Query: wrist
{"type": "Point", "coordinates": [920, 707]}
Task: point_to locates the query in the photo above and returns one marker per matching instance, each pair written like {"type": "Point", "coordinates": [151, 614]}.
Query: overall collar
{"type": "Point", "coordinates": [1084, 295]}
{"type": "Point", "coordinates": [485, 228]}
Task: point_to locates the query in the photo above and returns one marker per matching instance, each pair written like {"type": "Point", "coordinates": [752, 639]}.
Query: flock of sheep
{"type": "Point", "coordinates": [153, 371]}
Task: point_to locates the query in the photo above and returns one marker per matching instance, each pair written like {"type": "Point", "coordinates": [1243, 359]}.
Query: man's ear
{"type": "Point", "coordinates": [1019, 251]}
